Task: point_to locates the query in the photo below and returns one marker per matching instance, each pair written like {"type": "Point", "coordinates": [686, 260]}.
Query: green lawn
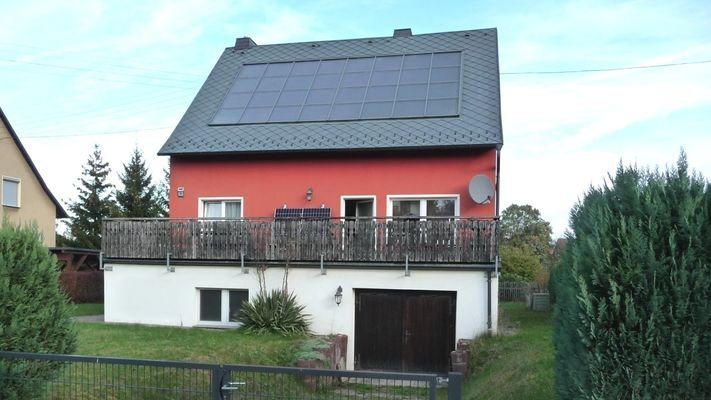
{"type": "Point", "coordinates": [185, 344]}
{"type": "Point", "coordinates": [518, 365]}
{"type": "Point", "coordinates": [86, 309]}
{"type": "Point", "coordinates": [513, 365]}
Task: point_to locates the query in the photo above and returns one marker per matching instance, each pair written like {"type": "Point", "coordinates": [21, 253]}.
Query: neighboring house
{"type": "Point", "coordinates": [24, 197]}
{"type": "Point", "coordinates": [368, 166]}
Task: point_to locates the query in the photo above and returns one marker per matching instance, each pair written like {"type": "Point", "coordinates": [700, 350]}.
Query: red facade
{"type": "Point", "coordinates": [264, 183]}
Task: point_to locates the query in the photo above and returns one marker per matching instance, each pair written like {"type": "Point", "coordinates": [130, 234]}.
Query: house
{"type": "Point", "coordinates": [364, 170]}
{"type": "Point", "coordinates": [24, 196]}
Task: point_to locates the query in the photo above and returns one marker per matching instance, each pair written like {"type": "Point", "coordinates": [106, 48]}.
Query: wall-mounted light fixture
{"type": "Point", "coordinates": [338, 296]}
{"type": "Point", "coordinates": [309, 194]}
{"type": "Point", "coordinates": [181, 191]}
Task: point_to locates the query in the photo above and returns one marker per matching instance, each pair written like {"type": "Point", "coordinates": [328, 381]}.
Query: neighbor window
{"type": "Point", "coordinates": [222, 208]}
{"type": "Point", "coordinates": [424, 207]}
{"type": "Point", "coordinates": [221, 305]}
{"type": "Point", "coordinates": [10, 192]}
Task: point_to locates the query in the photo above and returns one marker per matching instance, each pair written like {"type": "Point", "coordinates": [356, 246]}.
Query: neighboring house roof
{"type": "Point", "coordinates": [60, 210]}
{"type": "Point", "coordinates": [477, 124]}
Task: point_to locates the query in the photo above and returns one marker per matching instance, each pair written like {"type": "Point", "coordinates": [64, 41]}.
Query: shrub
{"type": "Point", "coordinates": [633, 290]}
{"type": "Point", "coordinates": [34, 313]}
{"type": "Point", "coordinates": [276, 311]}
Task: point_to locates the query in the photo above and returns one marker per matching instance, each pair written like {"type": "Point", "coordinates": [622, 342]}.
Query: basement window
{"type": "Point", "coordinates": [221, 306]}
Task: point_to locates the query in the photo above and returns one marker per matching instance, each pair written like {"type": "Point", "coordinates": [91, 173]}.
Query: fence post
{"type": "Point", "coordinates": [217, 375]}
{"type": "Point", "coordinates": [454, 386]}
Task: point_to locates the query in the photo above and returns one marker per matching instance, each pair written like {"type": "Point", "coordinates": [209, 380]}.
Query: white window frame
{"type": "Point", "coordinates": [224, 308]}
{"type": "Point", "coordinates": [203, 200]}
{"type": "Point", "coordinates": [359, 197]}
{"type": "Point", "coordinates": [19, 191]}
{"type": "Point", "coordinates": [423, 202]}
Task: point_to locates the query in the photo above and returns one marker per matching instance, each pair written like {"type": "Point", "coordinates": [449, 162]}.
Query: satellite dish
{"type": "Point", "coordinates": [481, 189]}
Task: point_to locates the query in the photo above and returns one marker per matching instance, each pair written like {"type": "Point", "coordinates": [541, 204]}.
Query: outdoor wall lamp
{"type": "Point", "coordinates": [338, 296]}
{"type": "Point", "coordinates": [309, 194]}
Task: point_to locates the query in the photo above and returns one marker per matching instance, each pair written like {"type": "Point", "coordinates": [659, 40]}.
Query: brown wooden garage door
{"type": "Point", "coordinates": [398, 330]}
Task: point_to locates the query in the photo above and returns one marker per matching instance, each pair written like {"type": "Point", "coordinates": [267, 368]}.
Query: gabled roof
{"type": "Point", "coordinates": [60, 213]}
{"type": "Point", "coordinates": [478, 123]}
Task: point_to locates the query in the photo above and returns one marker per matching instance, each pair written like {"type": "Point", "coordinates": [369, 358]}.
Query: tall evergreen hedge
{"type": "Point", "coordinates": [34, 313]}
{"type": "Point", "coordinates": [632, 313]}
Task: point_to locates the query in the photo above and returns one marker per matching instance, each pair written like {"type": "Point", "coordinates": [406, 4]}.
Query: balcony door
{"type": "Point", "coordinates": [358, 233]}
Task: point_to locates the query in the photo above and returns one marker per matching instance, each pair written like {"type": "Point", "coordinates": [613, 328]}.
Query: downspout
{"type": "Point", "coordinates": [488, 300]}
{"type": "Point", "coordinates": [496, 262]}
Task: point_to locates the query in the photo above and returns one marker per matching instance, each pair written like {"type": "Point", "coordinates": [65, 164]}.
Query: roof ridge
{"type": "Point", "coordinates": [414, 36]}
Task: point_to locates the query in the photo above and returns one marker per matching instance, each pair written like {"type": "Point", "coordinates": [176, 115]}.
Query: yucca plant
{"type": "Point", "coordinates": [274, 312]}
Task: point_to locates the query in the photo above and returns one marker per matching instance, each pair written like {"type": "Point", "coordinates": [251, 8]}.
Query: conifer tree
{"type": "Point", "coordinates": [139, 197]}
{"type": "Point", "coordinates": [95, 202]}
{"type": "Point", "coordinates": [633, 311]}
{"type": "Point", "coordinates": [34, 312]}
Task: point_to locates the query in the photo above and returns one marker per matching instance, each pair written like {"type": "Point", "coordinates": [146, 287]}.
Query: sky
{"type": "Point", "coordinates": [121, 74]}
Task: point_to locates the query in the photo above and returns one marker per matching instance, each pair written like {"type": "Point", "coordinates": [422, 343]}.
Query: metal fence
{"type": "Point", "coordinates": [518, 291]}
{"type": "Point", "coordinates": [55, 377]}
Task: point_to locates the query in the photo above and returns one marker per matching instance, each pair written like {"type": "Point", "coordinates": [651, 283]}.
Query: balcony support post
{"type": "Point", "coordinates": [168, 267]}
{"type": "Point", "coordinates": [323, 271]}
{"type": "Point", "coordinates": [407, 265]}
{"type": "Point", "coordinates": [241, 262]}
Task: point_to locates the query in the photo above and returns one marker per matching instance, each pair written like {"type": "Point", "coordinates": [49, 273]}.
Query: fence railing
{"type": "Point", "coordinates": [59, 377]}
{"type": "Point", "coordinates": [442, 240]}
{"type": "Point", "coordinates": [517, 291]}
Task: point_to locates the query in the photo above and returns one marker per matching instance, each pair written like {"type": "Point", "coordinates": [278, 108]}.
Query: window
{"type": "Point", "coordinates": [221, 208]}
{"type": "Point", "coordinates": [443, 206]}
{"type": "Point", "coordinates": [10, 192]}
{"type": "Point", "coordinates": [221, 305]}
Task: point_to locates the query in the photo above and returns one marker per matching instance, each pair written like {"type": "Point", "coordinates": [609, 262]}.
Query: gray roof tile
{"type": "Point", "coordinates": [478, 124]}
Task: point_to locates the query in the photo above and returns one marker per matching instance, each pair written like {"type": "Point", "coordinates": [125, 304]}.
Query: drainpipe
{"type": "Point", "coordinates": [488, 300]}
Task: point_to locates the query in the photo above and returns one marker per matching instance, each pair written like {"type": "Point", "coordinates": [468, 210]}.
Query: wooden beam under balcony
{"type": "Point", "coordinates": [376, 240]}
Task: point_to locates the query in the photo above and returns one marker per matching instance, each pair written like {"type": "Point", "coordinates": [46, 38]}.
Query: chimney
{"type": "Point", "coordinates": [244, 43]}
{"type": "Point", "coordinates": [405, 32]}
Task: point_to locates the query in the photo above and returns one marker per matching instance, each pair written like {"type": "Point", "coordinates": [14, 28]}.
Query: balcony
{"type": "Point", "coordinates": [365, 240]}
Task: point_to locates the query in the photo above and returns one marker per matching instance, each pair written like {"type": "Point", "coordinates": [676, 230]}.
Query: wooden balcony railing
{"type": "Point", "coordinates": [377, 240]}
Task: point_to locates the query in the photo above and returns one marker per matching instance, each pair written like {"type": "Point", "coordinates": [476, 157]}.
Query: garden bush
{"type": "Point", "coordinates": [34, 312]}
{"type": "Point", "coordinates": [632, 314]}
{"type": "Point", "coordinates": [276, 311]}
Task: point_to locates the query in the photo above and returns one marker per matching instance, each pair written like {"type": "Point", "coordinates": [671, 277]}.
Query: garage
{"type": "Point", "coordinates": [404, 330]}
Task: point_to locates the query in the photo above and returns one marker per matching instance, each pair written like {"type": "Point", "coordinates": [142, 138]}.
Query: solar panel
{"type": "Point", "coordinates": [288, 213]}
{"type": "Point", "coordinates": [401, 86]}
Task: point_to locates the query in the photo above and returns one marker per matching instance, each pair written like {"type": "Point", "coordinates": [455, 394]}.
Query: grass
{"type": "Point", "coordinates": [517, 365]}
{"type": "Point", "coordinates": [514, 365]}
{"type": "Point", "coordinates": [185, 344]}
{"type": "Point", "coordinates": [79, 309]}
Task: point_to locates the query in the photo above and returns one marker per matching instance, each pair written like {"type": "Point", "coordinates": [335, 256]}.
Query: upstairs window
{"type": "Point", "coordinates": [424, 207]}
{"type": "Point", "coordinates": [10, 192]}
{"type": "Point", "coordinates": [221, 208]}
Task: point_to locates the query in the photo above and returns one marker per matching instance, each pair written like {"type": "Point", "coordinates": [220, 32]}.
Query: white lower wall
{"type": "Point", "coordinates": [149, 294]}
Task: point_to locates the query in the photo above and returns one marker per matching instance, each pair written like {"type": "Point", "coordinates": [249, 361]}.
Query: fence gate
{"type": "Point", "coordinates": [60, 377]}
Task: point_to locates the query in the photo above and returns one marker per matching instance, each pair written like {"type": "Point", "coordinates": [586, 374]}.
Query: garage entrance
{"type": "Point", "coordinates": [404, 330]}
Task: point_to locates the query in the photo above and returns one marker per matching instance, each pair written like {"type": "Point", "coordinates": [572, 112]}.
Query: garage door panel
{"type": "Point", "coordinates": [379, 325]}
{"type": "Point", "coordinates": [401, 330]}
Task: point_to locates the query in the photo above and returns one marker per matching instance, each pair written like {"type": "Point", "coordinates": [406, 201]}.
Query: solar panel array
{"type": "Point", "coordinates": [286, 213]}
{"type": "Point", "coordinates": [401, 86]}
